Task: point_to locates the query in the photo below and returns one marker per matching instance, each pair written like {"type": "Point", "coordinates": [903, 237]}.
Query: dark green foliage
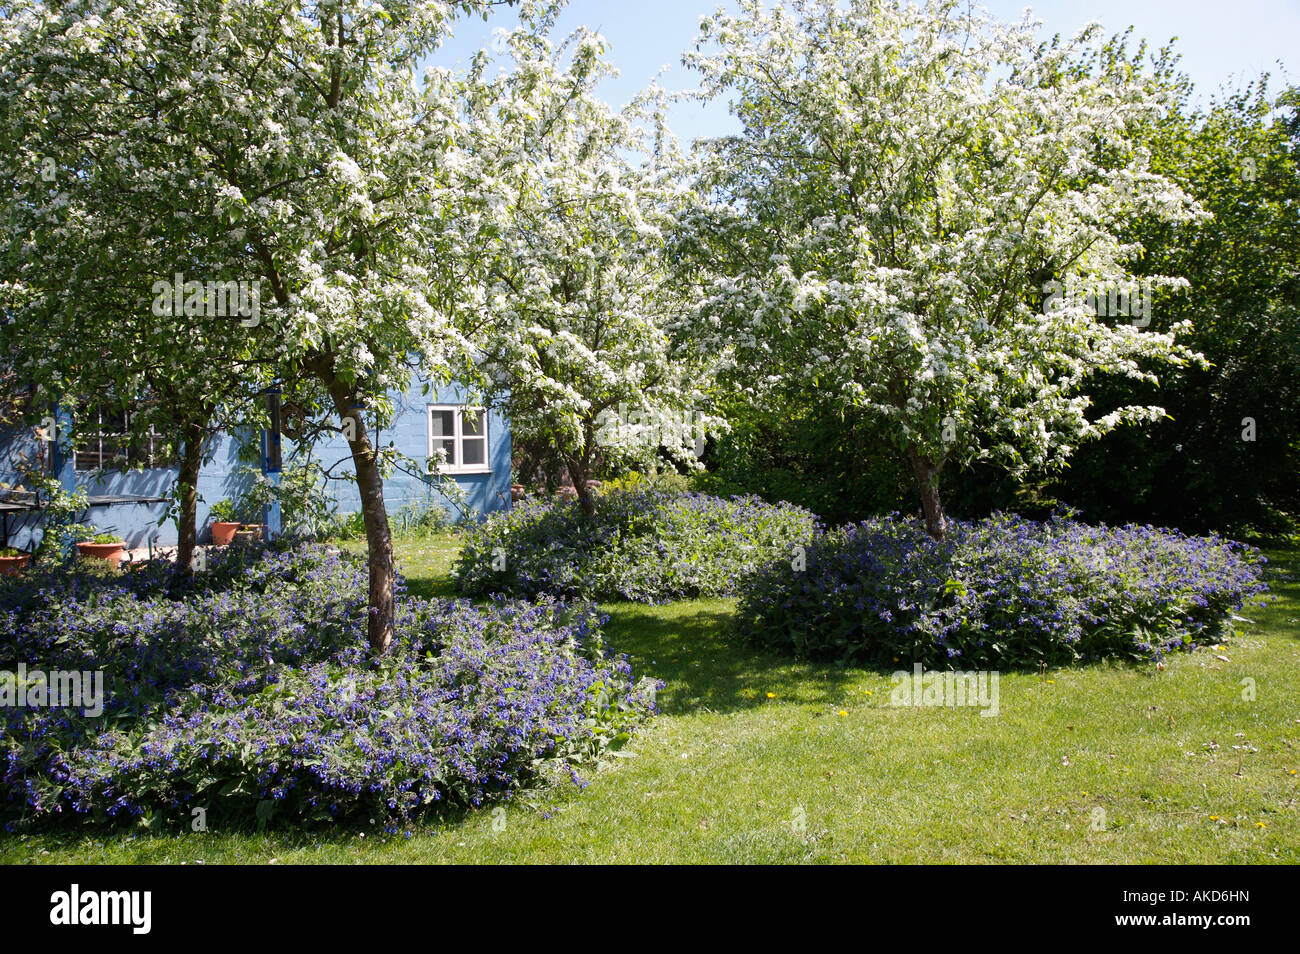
{"type": "Point", "coordinates": [836, 467]}
{"type": "Point", "coordinates": [1241, 160]}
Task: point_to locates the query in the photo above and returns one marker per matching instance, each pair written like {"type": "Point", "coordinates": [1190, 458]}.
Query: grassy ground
{"type": "Point", "coordinates": [759, 759]}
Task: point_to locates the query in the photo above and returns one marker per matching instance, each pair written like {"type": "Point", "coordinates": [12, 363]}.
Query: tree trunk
{"type": "Point", "coordinates": [579, 473]}
{"type": "Point", "coordinates": [188, 482]}
{"type": "Point", "coordinates": [927, 481]}
{"type": "Point", "coordinates": [379, 545]}
{"type": "Point", "coordinates": [379, 537]}
{"type": "Point", "coordinates": [580, 468]}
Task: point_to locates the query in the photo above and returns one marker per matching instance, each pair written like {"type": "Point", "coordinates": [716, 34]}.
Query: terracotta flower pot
{"type": "Point", "coordinates": [223, 532]}
{"type": "Point", "coordinates": [112, 552]}
{"type": "Point", "coordinates": [14, 565]}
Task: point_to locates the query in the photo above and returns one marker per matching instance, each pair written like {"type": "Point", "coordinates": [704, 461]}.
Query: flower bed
{"type": "Point", "coordinates": [246, 691]}
{"type": "Point", "coordinates": [1001, 593]}
{"type": "Point", "coordinates": [643, 546]}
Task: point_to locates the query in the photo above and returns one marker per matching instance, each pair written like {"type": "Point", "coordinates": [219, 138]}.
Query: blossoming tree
{"type": "Point", "coordinates": [82, 337]}
{"type": "Point", "coordinates": [291, 145]}
{"type": "Point", "coordinates": [584, 292]}
{"type": "Point", "coordinates": [900, 224]}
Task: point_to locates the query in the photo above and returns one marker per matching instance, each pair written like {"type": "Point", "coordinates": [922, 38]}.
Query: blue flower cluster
{"type": "Point", "coordinates": [642, 546]}
{"type": "Point", "coordinates": [246, 692]}
{"type": "Point", "coordinates": [1001, 593]}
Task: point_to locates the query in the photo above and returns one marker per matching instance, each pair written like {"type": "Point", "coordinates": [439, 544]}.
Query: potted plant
{"type": "Point", "coordinates": [60, 526]}
{"type": "Point", "coordinates": [224, 526]}
{"type": "Point", "coordinates": [13, 561]}
{"type": "Point", "coordinates": [103, 546]}
{"type": "Point", "coordinates": [249, 533]}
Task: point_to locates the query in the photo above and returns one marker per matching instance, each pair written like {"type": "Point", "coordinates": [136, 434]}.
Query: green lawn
{"type": "Point", "coordinates": [759, 759]}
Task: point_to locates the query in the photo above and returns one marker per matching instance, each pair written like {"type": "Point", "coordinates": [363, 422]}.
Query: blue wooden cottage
{"type": "Point", "coordinates": [473, 439]}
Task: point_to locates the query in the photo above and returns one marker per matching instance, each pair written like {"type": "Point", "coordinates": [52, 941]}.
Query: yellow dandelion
{"type": "Point", "coordinates": [1051, 682]}
{"type": "Point", "coordinates": [844, 712]}
{"type": "Point", "coordinates": [1214, 818]}
{"type": "Point", "coordinates": [771, 695]}
{"type": "Point", "coordinates": [869, 693]}
{"type": "Point", "coordinates": [1260, 825]}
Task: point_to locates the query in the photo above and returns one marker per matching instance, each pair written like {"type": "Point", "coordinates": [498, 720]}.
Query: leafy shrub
{"type": "Point", "coordinates": [344, 526]}
{"type": "Point", "coordinates": [306, 507]}
{"type": "Point", "coordinates": [644, 546]}
{"type": "Point", "coordinates": [422, 519]}
{"type": "Point", "coordinates": [417, 520]}
{"type": "Point", "coordinates": [93, 537]}
{"type": "Point", "coordinates": [811, 453]}
{"type": "Point", "coordinates": [60, 517]}
{"type": "Point", "coordinates": [668, 481]}
{"type": "Point", "coordinates": [247, 691]}
{"type": "Point", "coordinates": [1000, 593]}
{"type": "Point", "coordinates": [223, 511]}
{"type": "Point", "coordinates": [257, 492]}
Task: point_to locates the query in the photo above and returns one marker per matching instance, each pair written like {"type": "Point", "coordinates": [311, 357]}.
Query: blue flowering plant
{"type": "Point", "coordinates": [1000, 593]}
{"type": "Point", "coordinates": [644, 546]}
{"type": "Point", "coordinates": [245, 695]}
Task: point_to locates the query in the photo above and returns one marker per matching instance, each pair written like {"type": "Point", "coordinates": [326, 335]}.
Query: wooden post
{"type": "Point", "coordinates": [272, 463]}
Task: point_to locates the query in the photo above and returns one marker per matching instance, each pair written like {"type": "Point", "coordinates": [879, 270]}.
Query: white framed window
{"type": "Point", "coordinates": [460, 433]}
{"type": "Point", "coordinates": [107, 443]}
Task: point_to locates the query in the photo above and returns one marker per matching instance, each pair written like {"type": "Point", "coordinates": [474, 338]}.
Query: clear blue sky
{"type": "Point", "coordinates": [1221, 42]}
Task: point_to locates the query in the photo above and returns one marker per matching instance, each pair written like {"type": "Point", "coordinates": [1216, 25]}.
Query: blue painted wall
{"type": "Point", "coordinates": [223, 475]}
{"type": "Point", "coordinates": [19, 448]}
{"type": "Point", "coordinates": [410, 434]}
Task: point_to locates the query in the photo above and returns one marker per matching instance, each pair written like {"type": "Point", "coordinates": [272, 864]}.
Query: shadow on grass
{"type": "Point", "coordinates": [136, 844]}
{"type": "Point", "coordinates": [432, 588]}
{"type": "Point", "coordinates": [424, 562]}
{"type": "Point", "coordinates": [1282, 612]}
{"type": "Point", "coordinates": [691, 647]}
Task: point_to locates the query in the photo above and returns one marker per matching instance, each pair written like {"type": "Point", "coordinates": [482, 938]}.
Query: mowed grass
{"type": "Point", "coordinates": [756, 758]}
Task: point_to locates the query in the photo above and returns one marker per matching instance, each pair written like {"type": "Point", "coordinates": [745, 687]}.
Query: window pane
{"type": "Point", "coordinates": [442, 424]}
{"type": "Point", "coordinates": [450, 448]}
{"type": "Point", "coordinates": [113, 422]}
{"type": "Point", "coordinates": [472, 423]}
{"type": "Point", "coordinates": [475, 452]}
{"type": "Point", "coordinates": [87, 458]}
{"type": "Point", "coordinates": [113, 452]}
